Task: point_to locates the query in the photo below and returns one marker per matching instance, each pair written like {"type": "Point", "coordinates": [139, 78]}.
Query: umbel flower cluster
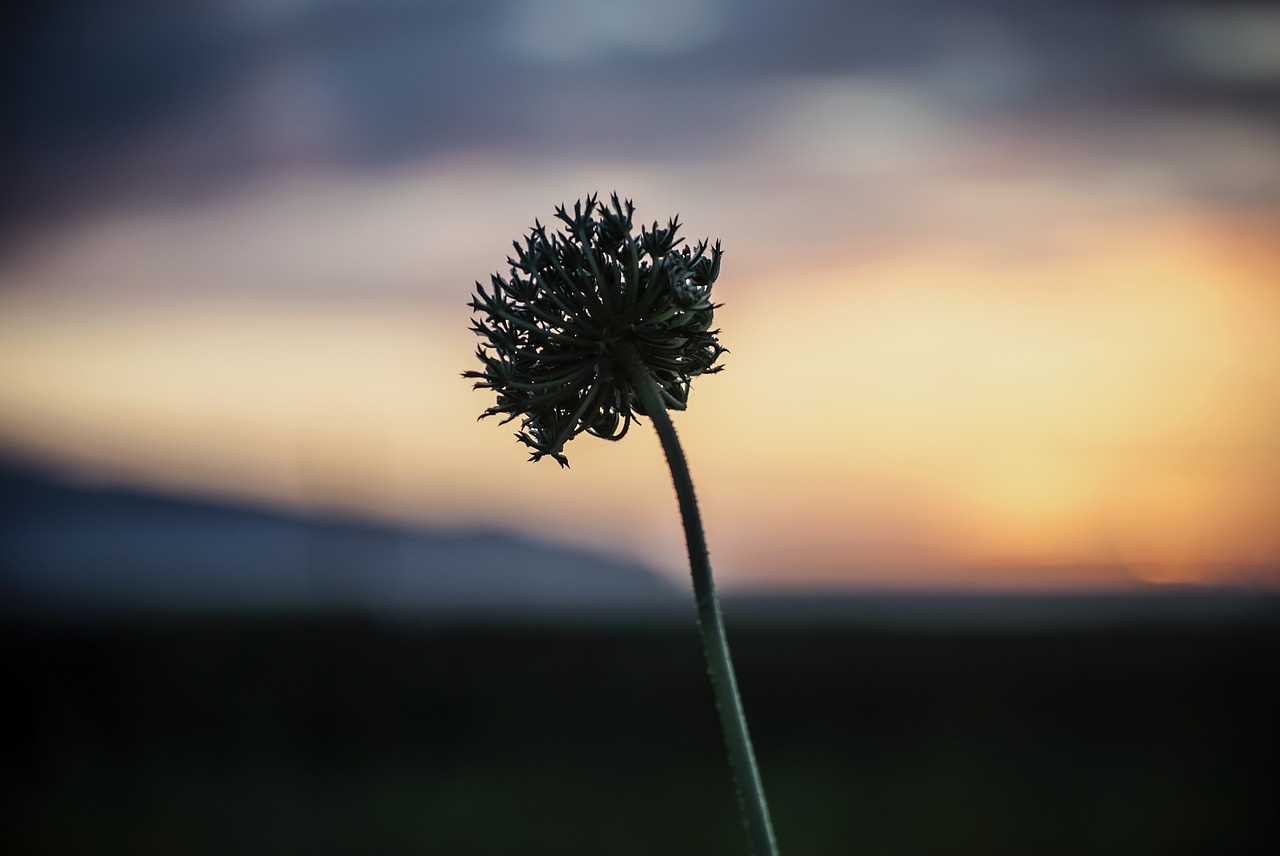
{"type": "Point", "coordinates": [561, 336]}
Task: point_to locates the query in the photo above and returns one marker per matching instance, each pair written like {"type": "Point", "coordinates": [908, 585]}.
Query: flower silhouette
{"type": "Point", "coordinates": [560, 333]}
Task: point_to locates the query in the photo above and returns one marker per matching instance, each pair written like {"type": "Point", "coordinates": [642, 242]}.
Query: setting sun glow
{"type": "Point", "coordinates": [1104, 413]}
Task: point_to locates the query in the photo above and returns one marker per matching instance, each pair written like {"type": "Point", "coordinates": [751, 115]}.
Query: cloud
{"type": "Point", "coordinates": [581, 32]}
{"type": "Point", "coordinates": [1235, 45]}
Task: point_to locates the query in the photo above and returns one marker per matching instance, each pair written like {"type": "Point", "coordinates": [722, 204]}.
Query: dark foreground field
{"type": "Point", "coordinates": [341, 736]}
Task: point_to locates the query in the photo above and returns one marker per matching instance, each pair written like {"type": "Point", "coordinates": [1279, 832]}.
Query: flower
{"type": "Point", "coordinates": [557, 333]}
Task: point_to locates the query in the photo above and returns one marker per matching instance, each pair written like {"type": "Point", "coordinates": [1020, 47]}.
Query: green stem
{"type": "Point", "coordinates": [715, 644]}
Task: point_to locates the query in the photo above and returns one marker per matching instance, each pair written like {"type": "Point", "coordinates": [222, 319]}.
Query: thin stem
{"type": "Point", "coordinates": [715, 644]}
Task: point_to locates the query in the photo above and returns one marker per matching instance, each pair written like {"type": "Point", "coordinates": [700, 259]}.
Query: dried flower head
{"type": "Point", "coordinates": [556, 333]}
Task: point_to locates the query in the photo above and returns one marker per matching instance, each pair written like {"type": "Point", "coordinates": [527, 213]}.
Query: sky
{"type": "Point", "coordinates": [1001, 288]}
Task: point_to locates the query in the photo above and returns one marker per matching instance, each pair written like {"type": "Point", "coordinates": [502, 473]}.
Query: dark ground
{"type": "Point", "coordinates": [319, 736]}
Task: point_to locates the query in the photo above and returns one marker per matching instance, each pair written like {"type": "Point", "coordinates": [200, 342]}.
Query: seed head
{"type": "Point", "coordinates": [553, 333]}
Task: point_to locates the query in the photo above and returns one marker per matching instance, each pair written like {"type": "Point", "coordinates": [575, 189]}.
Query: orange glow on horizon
{"type": "Point", "coordinates": [1114, 408]}
{"type": "Point", "coordinates": [930, 418]}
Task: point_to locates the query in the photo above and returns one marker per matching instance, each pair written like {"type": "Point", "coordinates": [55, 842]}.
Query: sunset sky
{"type": "Point", "coordinates": [1001, 286]}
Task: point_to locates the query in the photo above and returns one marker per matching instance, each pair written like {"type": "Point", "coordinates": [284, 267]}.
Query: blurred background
{"type": "Point", "coordinates": [991, 480]}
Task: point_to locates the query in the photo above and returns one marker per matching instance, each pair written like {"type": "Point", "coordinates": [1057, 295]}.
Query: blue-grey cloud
{"type": "Point", "coordinates": [144, 101]}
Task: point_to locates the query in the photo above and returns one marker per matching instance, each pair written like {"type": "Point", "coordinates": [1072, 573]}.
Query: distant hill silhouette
{"type": "Point", "coordinates": [77, 550]}
{"type": "Point", "coordinates": [73, 548]}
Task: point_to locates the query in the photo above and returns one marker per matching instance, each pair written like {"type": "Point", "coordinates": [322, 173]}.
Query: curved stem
{"type": "Point", "coordinates": [715, 643]}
